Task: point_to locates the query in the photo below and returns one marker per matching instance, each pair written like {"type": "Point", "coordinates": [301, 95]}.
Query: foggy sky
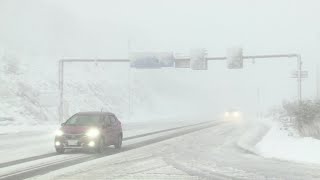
{"type": "Point", "coordinates": [56, 27]}
{"type": "Point", "coordinates": [102, 29]}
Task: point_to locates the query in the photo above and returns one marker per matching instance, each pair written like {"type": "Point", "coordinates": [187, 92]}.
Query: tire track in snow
{"type": "Point", "coordinates": [33, 158]}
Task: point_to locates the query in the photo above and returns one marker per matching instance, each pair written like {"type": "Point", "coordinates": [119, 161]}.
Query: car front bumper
{"type": "Point", "coordinates": [71, 141]}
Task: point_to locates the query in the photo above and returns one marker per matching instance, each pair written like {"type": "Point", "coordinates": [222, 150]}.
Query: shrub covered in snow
{"type": "Point", "coordinates": [304, 116]}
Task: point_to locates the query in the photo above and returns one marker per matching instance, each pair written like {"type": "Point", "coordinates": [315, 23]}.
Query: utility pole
{"type": "Point", "coordinates": [129, 82]}
{"type": "Point", "coordinates": [259, 103]}
{"type": "Point", "coordinates": [299, 77]}
{"type": "Point", "coordinates": [61, 69]}
{"type": "Point", "coordinates": [317, 82]}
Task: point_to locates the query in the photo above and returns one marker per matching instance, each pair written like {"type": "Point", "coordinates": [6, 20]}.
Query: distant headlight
{"type": "Point", "coordinates": [59, 132]}
{"type": "Point", "coordinates": [236, 114]}
{"type": "Point", "coordinates": [93, 133]}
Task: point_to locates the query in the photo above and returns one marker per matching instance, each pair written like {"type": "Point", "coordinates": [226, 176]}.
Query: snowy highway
{"type": "Point", "coordinates": [43, 163]}
{"type": "Point", "coordinates": [211, 150]}
{"type": "Point", "coordinates": [159, 89]}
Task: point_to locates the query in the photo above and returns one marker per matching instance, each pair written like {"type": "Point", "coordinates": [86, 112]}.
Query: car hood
{"type": "Point", "coordinates": [75, 129]}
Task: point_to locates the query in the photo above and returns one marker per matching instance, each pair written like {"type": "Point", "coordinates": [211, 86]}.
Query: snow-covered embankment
{"type": "Point", "coordinates": [271, 140]}
{"type": "Point", "coordinates": [280, 144]}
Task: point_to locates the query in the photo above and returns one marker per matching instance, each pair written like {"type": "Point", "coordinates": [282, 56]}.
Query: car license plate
{"type": "Point", "coordinates": [72, 142]}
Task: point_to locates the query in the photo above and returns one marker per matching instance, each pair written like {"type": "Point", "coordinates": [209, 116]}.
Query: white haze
{"type": "Point", "coordinates": [55, 29]}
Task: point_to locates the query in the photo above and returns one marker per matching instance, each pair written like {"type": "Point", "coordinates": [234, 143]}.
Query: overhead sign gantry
{"type": "Point", "coordinates": [198, 60]}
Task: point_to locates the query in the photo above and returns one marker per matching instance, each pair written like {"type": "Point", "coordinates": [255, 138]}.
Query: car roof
{"type": "Point", "coordinates": [233, 109]}
{"type": "Point", "coordinates": [95, 113]}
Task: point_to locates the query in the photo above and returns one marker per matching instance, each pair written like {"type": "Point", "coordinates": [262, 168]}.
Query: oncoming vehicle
{"type": "Point", "coordinates": [89, 130]}
{"type": "Point", "coordinates": [232, 115]}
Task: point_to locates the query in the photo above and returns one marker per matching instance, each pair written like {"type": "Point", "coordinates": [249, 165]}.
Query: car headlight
{"type": "Point", "coordinates": [236, 114]}
{"type": "Point", "coordinates": [93, 133]}
{"type": "Point", "coordinates": [59, 132]}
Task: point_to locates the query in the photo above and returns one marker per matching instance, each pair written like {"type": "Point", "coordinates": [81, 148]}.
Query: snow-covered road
{"type": "Point", "coordinates": [137, 135]}
{"type": "Point", "coordinates": [38, 143]}
{"type": "Point", "coordinates": [210, 153]}
{"type": "Point", "coordinates": [217, 150]}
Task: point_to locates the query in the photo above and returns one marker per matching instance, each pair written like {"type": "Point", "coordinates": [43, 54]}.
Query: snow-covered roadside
{"type": "Point", "coordinates": [254, 132]}
{"type": "Point", "coordinates": [270, 139]}
{"type": "Point", "coordinates": [205, 154]}
{"type": "Point", "coordinates": [277, 143]}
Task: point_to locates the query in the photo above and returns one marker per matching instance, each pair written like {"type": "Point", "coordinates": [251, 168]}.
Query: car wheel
{"type": "Point", "coordinates": [100, 147]}
{"type": "Point", "coordinates": [60, 150]}
{"type": "Point", "coordinates": [119, 142]}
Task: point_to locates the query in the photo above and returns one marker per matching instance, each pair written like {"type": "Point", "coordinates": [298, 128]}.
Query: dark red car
{"type": "Point", "coordinates": [89, 130]}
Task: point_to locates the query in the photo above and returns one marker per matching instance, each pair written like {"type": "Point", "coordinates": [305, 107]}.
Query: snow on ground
{"type": "Point", "coordinates": [255, 131]}
{"type": "Point", "coordinates": [277, 143]}
{"type": "Point", "coordinates": [38, 140]}
{"type": "Point", "coordinates": [158, 161]}
{"type": "Point", "coordinates": [207, 154]}
{"type": "Point", "coordinates": [47, 161]}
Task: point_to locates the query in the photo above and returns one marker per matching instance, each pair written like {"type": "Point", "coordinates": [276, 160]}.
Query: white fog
{"type": "Point", "coordinates": [242, 122]}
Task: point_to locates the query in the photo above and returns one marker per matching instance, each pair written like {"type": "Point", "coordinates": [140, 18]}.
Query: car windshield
{"type": "Point", "coordinates": [85, 120]}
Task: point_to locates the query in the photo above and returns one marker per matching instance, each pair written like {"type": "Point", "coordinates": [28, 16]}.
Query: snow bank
{"type": "Point", "coordinates": [278, 143]}
{"type": "Point", "coordinates": [253, 133]}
